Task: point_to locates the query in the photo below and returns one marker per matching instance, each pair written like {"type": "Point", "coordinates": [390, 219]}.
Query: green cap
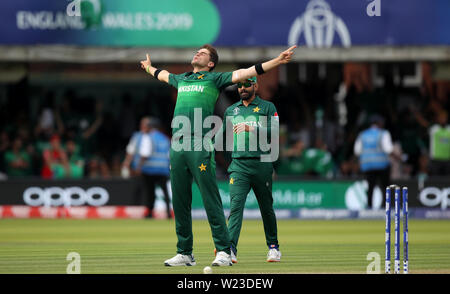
{"type": "Point", "coordinates": [252, 79]}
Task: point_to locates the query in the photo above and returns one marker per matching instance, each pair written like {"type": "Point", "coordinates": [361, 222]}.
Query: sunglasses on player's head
{"type": "Point", "coordinates": [246, 84]}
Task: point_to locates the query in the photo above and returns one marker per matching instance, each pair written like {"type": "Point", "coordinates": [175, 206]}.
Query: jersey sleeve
{"type": "Point", "coordinates": [272, 110]}
{"type": "Point", "coordinates": [173, 79]}
{"type": "Point", "coordinates": [223, 79]}
{"type": "Point", "coordinates": [272, 115]}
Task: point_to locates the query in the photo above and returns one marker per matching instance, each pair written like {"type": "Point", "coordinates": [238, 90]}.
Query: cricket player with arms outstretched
{"type": "Point", "coordinates": [199, 90]}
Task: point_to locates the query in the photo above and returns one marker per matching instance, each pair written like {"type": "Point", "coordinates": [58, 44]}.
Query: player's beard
{"type": "Point", "coordinates": [246, 95]}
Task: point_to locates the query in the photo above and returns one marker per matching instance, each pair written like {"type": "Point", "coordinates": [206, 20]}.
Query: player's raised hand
{"type": "Point", "coordinates": [146, 63]}
{"type": "Point", "coordinates": [159, 74]}
{"type": "Point", "coordinates": [286, 55]}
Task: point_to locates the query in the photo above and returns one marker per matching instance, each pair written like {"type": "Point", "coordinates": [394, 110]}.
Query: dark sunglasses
{"type": "Point", "coordinates": [246, 84]}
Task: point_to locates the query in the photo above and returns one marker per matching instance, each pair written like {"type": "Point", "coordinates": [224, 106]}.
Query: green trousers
{"type": "Point", "coordinates": [199, 166]}
{"type": "Point", "coordinates": [246, 174]}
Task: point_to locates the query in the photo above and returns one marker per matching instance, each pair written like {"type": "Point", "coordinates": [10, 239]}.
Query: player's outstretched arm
{"type": "Point", "coordinates": [162, 75]}
{"type": "Point", "coordinates": [245, 73]}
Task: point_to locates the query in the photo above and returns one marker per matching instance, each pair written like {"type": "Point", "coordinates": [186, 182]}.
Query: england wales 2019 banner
{"type": "Point", "coordinates": [190, 23]}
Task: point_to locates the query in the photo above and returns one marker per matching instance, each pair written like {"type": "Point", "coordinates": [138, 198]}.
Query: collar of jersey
{"type": "Point", "coordinates": [199, 73]}
{"type": "Point", "coordinates": [254, 102]}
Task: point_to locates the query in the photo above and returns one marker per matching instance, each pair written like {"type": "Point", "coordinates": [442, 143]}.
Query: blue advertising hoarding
{"type": "Point", "coordinates": [187, 23]}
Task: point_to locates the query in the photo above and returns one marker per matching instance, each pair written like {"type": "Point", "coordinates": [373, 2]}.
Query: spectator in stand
{"type": "Point", "coordinates": [410, 137]}
{"type": "Point", "coordinates": [349, 168]}
{"type": "Point", "coordinates": [91, 120]}
{"type": "Point", "coordinates": [98, 168]}
{"type": "Point", "coordinates": [76, 161]}
{"type": "Point", "coordinates": [18, 161]}
{"type": "Point", "coordinates": [67, 115]}
{"type": "Point", "coordinates": [318, 160]}
{"type": "Point", "coordinates": [46, 123]}
{"type": "Point", "coordinates": [300, 132]}
{"type": "Point", "coordinates": [439, 139]}
{"type": "Point", "coordinates": [56, 164]}
{"type": "Point", "coordinates": [440, 145]}
{"type": "Point", "coordinates": [289, 162]}
{"type": "Point", "coordinates": [29, 145]}
{"type": "Point", "coordinates": [298, 160]}
{"type": "Point", "coordinates": [82, 119]}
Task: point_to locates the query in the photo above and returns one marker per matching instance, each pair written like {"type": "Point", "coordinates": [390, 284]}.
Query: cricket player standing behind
{"type": "Point", "coordinates": [198, 91]}
{"type": "Point", "coordinates": [250, 117]}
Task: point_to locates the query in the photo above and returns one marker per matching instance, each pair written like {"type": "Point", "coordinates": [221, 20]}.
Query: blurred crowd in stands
{"type": "Point", "coordinates": [323, 122]}
{"type": "Point", "coordinates": [319, 134]}
{"type": "Point", "coordinates": [78, 138]}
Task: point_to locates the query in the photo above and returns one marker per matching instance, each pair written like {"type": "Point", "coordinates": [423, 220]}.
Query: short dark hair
{"type": "Point", "coordinates": [214, 57]}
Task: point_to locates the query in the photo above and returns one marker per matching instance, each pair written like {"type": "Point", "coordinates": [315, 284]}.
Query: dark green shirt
{"type": "Point", "coordinates": [312, 160]}
{"type": "Point", "coordinates": [251, 115]}
{"type": "Point", "coordinates": [11, 157]}
{"type": "Point", "coordinates": [197, 91]}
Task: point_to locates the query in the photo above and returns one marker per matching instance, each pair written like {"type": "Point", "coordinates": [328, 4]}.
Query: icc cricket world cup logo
{"type": "Point", "coordinates": [318, 24]}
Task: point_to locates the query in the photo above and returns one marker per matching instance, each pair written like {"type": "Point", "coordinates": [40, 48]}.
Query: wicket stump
{"type": "Point", "coordinates": [397, 211]}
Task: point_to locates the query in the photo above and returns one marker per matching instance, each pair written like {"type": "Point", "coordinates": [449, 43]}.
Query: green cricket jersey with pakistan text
{"type": "Point", "coordinates": [197, 93]}
{"type": "Point", "coordinates": [247, 171]}
{"type": "Point", "coordinates": [198, 90]}
{"type": "Point", "coordinates": [259, 114]}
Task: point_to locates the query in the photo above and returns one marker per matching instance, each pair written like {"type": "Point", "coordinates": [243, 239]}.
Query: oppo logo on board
{"type": "Point", "coordinates": [71, 196]}
{"type": "Point", "coordinates": [432, 196]}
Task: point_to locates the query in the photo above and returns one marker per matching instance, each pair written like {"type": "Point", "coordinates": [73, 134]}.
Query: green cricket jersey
{"type": "Point", "coordinates": [243, 143]}
{"type": "Point", "coordinates": [197, 91]}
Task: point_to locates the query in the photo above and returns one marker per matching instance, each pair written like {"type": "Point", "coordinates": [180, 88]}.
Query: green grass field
{"type": "Point", "coordinates": [141, 246]}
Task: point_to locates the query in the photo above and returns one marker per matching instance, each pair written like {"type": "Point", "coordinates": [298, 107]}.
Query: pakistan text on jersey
{"type": "Point", "coordinates": [251, 123]}
{"type": "Point", "coordinates": [192, 88]}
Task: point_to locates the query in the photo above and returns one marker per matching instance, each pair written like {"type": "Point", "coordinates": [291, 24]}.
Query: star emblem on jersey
{"type": "Point", "coordinates": [256, 109]}
{"type": "Point", "coordinates": [202, 167]}
{"type": "Point", "coordinates": [231, 181]}
{"type": "Point", "coordinates": [200, 77]}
